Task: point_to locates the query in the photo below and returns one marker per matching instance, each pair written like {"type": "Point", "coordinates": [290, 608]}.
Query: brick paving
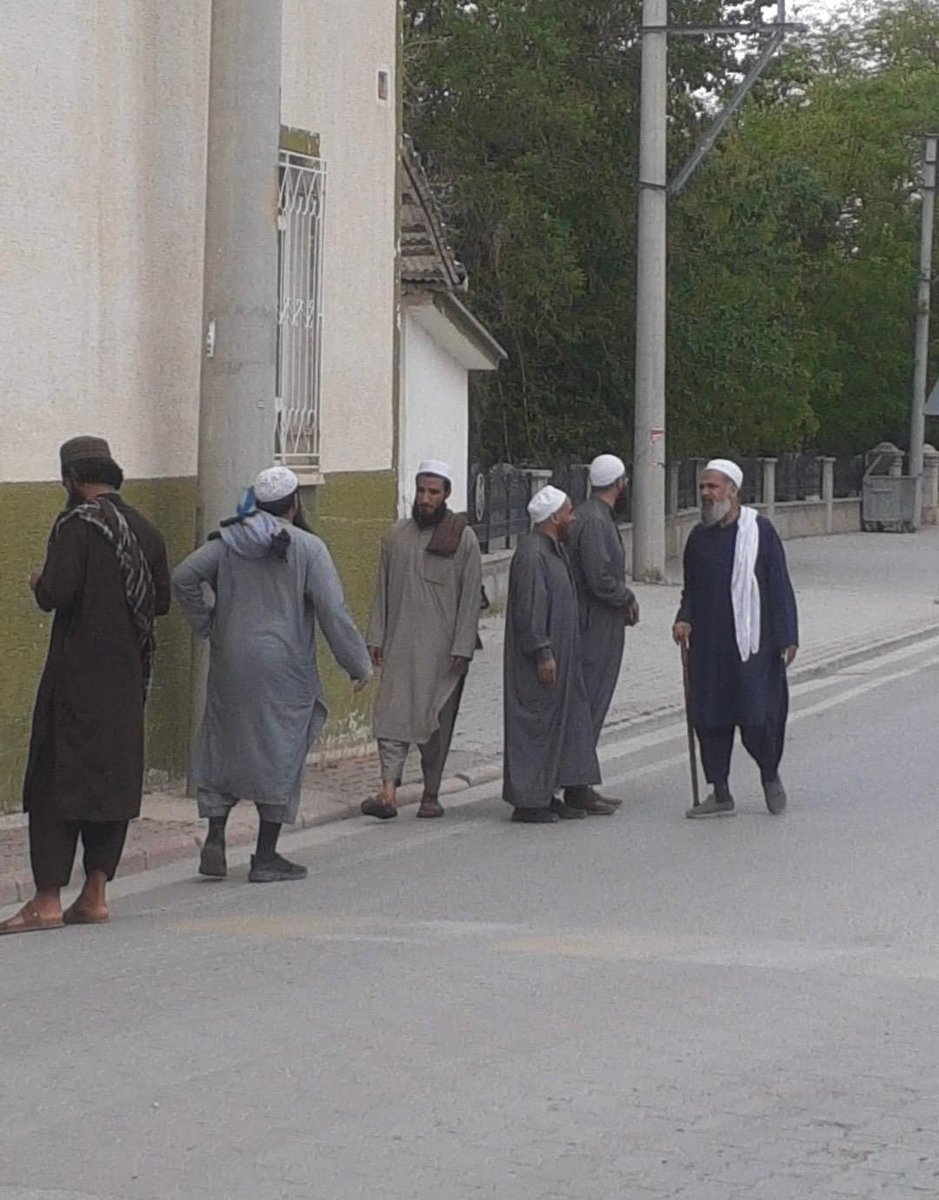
{"type": "Point", "coordinates": [857, 593]}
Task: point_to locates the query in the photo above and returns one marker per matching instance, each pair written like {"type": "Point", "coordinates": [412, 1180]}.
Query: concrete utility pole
{"type": "Point", "coordinates": [236, 413]}
{"type": "Point", "coordinates": [648, 552]}
{"type": "Point", "coordinates": [923, 300]}
{"type": "Point", "coordinates": [648, 558]}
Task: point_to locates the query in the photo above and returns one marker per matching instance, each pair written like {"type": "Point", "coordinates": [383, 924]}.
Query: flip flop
{"type": "Point", "coordinates": [30, 920]}
{"type": "Point", "coordinates": [374, 806]}
{"type": "Point", "coordinates": [74, 915]}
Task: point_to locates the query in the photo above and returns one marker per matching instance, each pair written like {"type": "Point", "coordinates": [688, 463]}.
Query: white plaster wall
{"type": "Point", "coordinates": [102, 198]}
{"type": "Point", "coordinates": [333, 51]}
{"type": "Point", "coordinates": [435, 413]}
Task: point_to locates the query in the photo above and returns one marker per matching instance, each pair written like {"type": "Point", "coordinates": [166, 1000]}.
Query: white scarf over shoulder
{"type": "Point", "coordinates": [744, 589]}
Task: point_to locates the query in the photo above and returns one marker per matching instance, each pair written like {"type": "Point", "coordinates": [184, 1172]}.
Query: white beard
{"type": "Point", "coordinates": [715, 512]}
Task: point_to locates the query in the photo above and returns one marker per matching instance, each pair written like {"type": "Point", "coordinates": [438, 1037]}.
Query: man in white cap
{"type": "Point", "coordinates": [549, 742]}
{"type": "Point", "coordinates": [738, 618]}
{"type": "Point", "coordinates": [273, 583]}
{"type": "Point", "coordinates": [422, 635]}
{"type": "Point", "coordinates": [607, 604]}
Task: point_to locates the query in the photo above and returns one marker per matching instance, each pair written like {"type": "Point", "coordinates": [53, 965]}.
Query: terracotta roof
{"type": "Point", "coordinates": [427, 258]}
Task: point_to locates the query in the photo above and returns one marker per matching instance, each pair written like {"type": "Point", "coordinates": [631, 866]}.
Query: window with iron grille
{"type": "Point", "coordinates": [301, 210]}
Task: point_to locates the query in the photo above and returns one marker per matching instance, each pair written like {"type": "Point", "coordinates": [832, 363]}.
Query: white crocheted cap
{"type": "Point", "coordinates": [545, 503]}
{"type": "Point", "coordinates": [276, 483]}
{"type": "Point", "coordinates": [605, 470]}
{"type": "Point", "coordinates": [434, 466]}
{"type": "Point", "coordinates": [728, 468]}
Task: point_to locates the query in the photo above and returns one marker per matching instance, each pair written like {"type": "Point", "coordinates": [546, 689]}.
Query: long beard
{"type": "Point", "coordinates": [299, 522]}
{"type": "Point", "coordinates": [713, 512]}
{"type": "Point", "coordinates": [428, 520]}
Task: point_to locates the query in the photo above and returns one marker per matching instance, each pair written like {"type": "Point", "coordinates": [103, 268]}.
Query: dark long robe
{"type": "Point", "coordinates": [725, 690]}
{"type": "Point", "coordinates": [86, 751]}
{"type": "Point", "coordinates": [598, 562]}
{"type": "Point", "coordinates": [549, 742]}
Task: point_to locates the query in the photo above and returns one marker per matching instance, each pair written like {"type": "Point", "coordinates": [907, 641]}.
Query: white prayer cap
{"type": "Point", "coordinates": [276, 483]}
{"type": "Point", "coordinates": [545, 503]}
{"type": "Point", "coordinates": [605, 470]}
{"type": "Point", "coordinates": [433, 466]}
{"type": "Point", "coordinates": [728, 468]}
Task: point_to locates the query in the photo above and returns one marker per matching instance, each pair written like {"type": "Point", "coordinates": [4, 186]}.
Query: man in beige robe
{"type": "Point", "coordinates": [423, 634]}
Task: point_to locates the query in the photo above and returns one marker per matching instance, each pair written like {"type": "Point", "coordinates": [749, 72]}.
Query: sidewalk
{"type": "Point", "coordinates": [858, 594]}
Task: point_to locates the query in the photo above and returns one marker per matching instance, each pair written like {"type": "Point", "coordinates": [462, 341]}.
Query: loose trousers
{"type": "Point", "coordinates": [762, 742]}
{"type": "Point", "coordinates": [53, 843]}
{"type": "Point", "coordinates": [434, 751]}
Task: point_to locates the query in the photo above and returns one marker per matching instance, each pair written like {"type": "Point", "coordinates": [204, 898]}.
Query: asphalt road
{"type": "Point", "coordinates": [614, 1009]}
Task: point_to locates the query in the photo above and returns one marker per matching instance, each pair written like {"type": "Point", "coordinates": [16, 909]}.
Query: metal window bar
{"type": "Point", "coordinates": [300, 225]}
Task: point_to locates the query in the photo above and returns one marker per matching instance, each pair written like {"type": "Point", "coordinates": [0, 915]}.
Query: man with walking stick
{"type": "Point", "coordinates": [738, 625]}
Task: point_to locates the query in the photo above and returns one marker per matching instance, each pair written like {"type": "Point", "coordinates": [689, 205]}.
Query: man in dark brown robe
{"type": "Point", "coordinates": [105, 578]}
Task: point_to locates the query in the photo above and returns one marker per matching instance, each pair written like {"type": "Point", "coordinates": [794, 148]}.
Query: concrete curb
{"type": "Point", "coordinates": [177, 846]}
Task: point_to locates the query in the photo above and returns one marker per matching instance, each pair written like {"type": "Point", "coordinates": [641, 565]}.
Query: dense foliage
{"type": "Point", "coordinates": [792, 253]}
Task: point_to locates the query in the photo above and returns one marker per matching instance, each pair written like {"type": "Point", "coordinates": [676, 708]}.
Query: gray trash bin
{"type": "Point", "coordinates": [887, 501]}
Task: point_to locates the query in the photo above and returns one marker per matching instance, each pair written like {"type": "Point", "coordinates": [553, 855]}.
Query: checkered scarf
{"type": "Point", "coordinates": [108, 519]}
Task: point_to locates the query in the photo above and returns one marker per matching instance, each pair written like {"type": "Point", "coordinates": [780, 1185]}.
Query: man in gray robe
{"type": "Point", "coordinates": [423, 635]}
{"type": "Point", "coordinates": [607, 604]}
{"type": "Point", "coordinates": [273, 582]}
{"type": "Point", "coordinates": [549, 742]}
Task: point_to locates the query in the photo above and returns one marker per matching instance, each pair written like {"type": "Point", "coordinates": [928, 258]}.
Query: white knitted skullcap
{"type": "Point", "coordinates": [434, 466]}
{"type": "Point", "coordinates": [545, 503]}
{"type": "Point", "coordinates": [728, 468]}
{"type": "Point", "coordinates": [276, 483]}
{"type": "Point", "coordinates": [605, 470]}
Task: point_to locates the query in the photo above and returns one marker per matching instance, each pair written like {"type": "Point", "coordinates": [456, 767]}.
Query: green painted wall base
{"type": "Point", "coordinates": [350, 511]}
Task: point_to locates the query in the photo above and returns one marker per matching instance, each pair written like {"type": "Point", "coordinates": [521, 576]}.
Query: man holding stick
{"type": "Point", "coordinates": [739, 623]}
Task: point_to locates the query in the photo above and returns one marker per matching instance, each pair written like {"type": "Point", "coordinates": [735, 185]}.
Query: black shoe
{"type": "Point", "coordinates": [274, 870]}
{"type": "Point", "coordinates": [565, 812]}
{"type": "Point", "coordinates": [212, 861]}
{"type": "Point", "coordinates": [535, 816]}
{"type": "Point", "coordinates": [775, 795]}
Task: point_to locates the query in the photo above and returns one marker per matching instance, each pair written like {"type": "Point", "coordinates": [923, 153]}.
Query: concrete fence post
{"type": "Point", "coordinates": [828, 491]}
{"type": "Point", "coordinates": [768, 491]}
{"type": "Point", "coordinates": [673, 478]}
{"type": "Point", "coordinates": [930, 485]}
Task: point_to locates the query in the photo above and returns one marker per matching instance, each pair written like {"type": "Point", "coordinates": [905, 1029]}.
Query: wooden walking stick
{"type": "Point", "coordinates": [692, 747]}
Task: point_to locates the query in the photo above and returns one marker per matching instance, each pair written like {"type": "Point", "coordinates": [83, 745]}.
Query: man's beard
{"type": "Point", "coordinates": [299, 521]}
{"type": "Point", "coordinates": [713, 512]}
{"type": "Point", "coordinates": [426, 520]}
{"type": "Point", "coordinates": [621, 504]}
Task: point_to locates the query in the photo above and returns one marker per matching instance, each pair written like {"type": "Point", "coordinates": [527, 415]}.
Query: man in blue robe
{"type": "Point", "coordinates": [738, 618]}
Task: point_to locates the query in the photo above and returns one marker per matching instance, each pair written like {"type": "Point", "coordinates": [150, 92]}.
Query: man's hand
{"type": "Point", "coordinates": [359, 685]}
{"type": "Point", "coordinates": [631, 616]}
{"type": "Point", "coordinates": [459, 663]}
{"type": "Point", "coordinates": [681, 633]}
{"type": "Point", "coordinates": [34, 580]}
{"type": "Point", "coordinates": [548, 672]}
{"type": "Point", "coordinates": [376, 655]}
{"type": "Point", "coordinates": [789, 655]}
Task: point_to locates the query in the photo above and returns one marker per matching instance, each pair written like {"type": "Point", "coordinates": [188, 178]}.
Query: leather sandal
{"type": "Point", "coordinates": [430, 807]}
{"type": "Point", "coordinates": [374, 806]}
{"type": "Point", "coordinates": [76, 914]}
{"type": "Point", "coordinates": [30, 920]}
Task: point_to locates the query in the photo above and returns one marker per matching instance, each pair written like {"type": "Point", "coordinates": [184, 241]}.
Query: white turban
{"type": "Point", "coordinates": [728, 468]}
{"type": "Point", "coordinates": [433, 466]}
{"type": "Point", "coordinates": [545, 503]}
{"type": "Point", "coordinates": [606, 470]}
{"type": "Point", "coordinates": [276, 483]}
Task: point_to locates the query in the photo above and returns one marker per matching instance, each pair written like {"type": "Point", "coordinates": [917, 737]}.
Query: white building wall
{"type": "Point", "coordinates": [102, 199]}
{"type": "Point", "coordinates": [435, 415]}
{"type": "Point", "coordinates": [333, 52]}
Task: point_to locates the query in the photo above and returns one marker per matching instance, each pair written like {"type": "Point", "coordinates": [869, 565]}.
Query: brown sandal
{"type": "Point", "coordinates": [75, 914]}
{"type": "Point", "coordinates": [30, 920]}
{"type": "Point", "coordinates": [374, 806]}
{"type": "Point", "coordinates": [430, 808]}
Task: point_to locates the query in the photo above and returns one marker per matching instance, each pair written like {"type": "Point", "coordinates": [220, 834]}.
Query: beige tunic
{"type": "Point", "coordinates": [426, 610]}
